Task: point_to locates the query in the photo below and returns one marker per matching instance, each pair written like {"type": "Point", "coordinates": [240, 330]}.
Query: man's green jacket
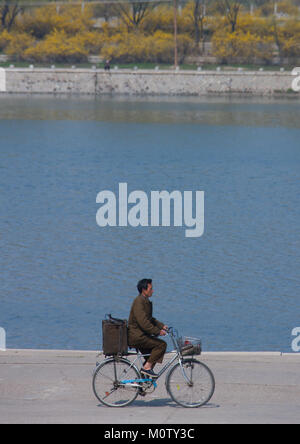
{"type": "Point", "coordinates": [141, 323]}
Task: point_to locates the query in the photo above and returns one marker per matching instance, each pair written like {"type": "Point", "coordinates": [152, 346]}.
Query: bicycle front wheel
{"type": "Point", "coordinates": [110, 382]}
{"type": "Point", "coordinates": [191, 384]}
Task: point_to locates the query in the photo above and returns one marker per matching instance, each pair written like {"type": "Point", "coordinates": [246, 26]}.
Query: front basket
{"type": "Point", "coordinates": [190, 346]}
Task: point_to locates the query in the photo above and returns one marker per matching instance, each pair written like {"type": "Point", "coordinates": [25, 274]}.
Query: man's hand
{"type": "Point", "coordinates": [162, 332]}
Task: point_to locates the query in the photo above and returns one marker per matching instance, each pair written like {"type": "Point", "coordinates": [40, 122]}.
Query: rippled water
{"type": "Point", "coordinates": [237, 287]}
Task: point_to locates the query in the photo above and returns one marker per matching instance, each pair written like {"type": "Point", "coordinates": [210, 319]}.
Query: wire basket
{"type": "Point", "coordinates": [189, 346]}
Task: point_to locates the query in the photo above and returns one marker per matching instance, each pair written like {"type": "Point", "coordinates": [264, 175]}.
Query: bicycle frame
{"type": "Point", "coordinates": [165, 367]}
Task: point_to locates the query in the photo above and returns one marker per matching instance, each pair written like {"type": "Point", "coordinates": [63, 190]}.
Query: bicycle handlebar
{"type": "Point", "coordinates": [170, 331]}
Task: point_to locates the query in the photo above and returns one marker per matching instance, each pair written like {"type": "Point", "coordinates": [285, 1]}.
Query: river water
{"type": "Point", "coordinates": [236, 287]}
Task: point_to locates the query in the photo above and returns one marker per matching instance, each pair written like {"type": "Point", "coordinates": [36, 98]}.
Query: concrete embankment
{"type": "Point", "coordinates": [56, 387]}
{"type": "Point", "coordinates": [143, 82]}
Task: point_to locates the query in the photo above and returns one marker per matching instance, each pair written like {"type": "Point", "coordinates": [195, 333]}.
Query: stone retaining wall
{"type": "Point", "coordinates": [143, 82]}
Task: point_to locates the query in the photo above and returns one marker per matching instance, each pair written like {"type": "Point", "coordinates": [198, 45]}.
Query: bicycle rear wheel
{"type": "Point", "coordinates": [109, 382]}
{"type": "Point", "coordinates": [199, 388]}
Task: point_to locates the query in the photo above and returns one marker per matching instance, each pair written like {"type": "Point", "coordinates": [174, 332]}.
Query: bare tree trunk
{"type": "Point", "coordinates": [196, 22]}
{"type": "Point", "coordinates": [4, 11]}
{"type": "Point", "coordinates": [199, 17]}
{"type": "Point", "coordinates": [277, 38]}
{"type": "Point", "coordinates": [134, 14]}
{"type": "Point", "coordinates": [230, 9]}
{"type": "Point", "coordinates": [9, 13]}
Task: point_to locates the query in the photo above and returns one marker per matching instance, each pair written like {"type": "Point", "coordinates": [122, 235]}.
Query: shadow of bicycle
{"type": "Point", "coordinates": [163, 402]}
{"type": "Point", "coordinates": [166, 402]}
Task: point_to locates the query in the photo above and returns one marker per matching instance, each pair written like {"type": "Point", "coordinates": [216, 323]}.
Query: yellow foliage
{"type": "Point", "coordinates": [58, 47]}
{"type": "Point", "coordinates": [45, 20]}
{"type": "Point", "coordinates": [160, 18]}
{"type": "Point", "coordinates": [241, 47]}
{"type": "Point", "coordinates": [157, 48]}
{"type": "Point", "coordinates": [5, 38]}
{"type": "Point", "coordinates": [255, 25]}
{"type": "Point", "coordinates": [90, 41]}
{"type": "Point", "coordinates": [288, 35]}
{"type": "Point", "coordinates": [291, 47]}
{"type": "Point", "coordinates": [15, 44]}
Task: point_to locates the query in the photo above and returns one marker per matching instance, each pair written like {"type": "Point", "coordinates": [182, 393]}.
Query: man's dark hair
{"type": "Point", "coordinates": [143, 284]}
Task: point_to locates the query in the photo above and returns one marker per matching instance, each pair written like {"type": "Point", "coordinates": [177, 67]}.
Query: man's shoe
{"type": "Point", "coordinates": [150, 373]}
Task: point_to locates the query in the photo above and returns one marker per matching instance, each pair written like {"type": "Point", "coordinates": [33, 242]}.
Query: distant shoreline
{"type": "Point", "coordinates": [140, 82]}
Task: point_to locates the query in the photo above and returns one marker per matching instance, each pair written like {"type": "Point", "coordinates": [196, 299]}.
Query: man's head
{"type": "Point", "coordinates": [145, 287]}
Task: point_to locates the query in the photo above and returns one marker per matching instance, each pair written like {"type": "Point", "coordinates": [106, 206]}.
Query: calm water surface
{"type": "Point", "coordinates": [237, 287]}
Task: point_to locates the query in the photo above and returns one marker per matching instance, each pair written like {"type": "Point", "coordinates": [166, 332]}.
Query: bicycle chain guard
{"type": "Point", "coordinates": [147, 384]}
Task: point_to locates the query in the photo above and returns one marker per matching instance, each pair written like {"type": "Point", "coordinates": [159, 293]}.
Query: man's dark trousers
{"type": "Point", "coordinates": [155, 347]}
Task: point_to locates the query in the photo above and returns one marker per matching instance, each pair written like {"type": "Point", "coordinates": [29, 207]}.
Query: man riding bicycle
{"type": "Point", "coordinates": [143, 329]}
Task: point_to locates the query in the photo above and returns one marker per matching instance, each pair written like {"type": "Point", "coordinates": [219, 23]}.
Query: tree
{"type": "Point", "coordinates": [132, 14]}
{"type": "Point", "coordinates": [9, 12]}
{"type": "Point", "coordinates": [230, 9]}
{"type": "Point", "coordinates": [199, 13]}
{"type": "Point", "coordinates": [276, 31]}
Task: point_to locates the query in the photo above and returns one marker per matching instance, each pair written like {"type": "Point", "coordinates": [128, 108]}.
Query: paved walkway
{"type": "Point", "coordinates": [55, 387]}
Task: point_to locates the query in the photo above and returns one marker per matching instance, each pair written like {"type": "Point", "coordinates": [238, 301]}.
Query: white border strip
{"type": "Point", "coordinates": [2, 339]}
{"type": "Point", "coordinates": [2, 80]}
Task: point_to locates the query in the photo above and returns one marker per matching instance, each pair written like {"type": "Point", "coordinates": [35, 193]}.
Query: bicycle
{"type": "Point", "coordinates": [117, 381]}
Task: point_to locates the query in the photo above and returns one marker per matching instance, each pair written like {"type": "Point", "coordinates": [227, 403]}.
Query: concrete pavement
{"type": "Point", "coordinates": [55, 387]}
